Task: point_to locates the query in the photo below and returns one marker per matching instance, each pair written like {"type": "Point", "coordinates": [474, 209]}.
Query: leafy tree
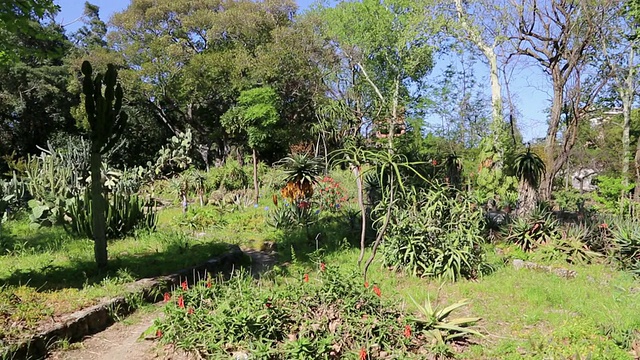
{"type": "Point", "coordinates": [256, 116]}
{"type": "Point", "coordinates": [94, 31]}
{"type": "Point", "coordinates": [34, 101]}
{"type": "Point", "coordinates": [20, 24]}
{"type": "Point", "coordinates": [383, 50]}
{"type": "Point", "coordinates": [189, 61]}
{"type": "Point", "coordinates": [561, 37]}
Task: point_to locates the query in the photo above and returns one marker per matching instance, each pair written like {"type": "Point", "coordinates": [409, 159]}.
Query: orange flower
{"type": "Point", "coordinates": [209, 283]}
{"type": "Point", "coordinates": [306, 277]}
{"type": "Point", "coordinates": [158, 333]}
{"type": "Point", "coordinates": [363, 354]}
{"type": "Point", "coordinates": [604, 226]}
{"type": "Point", "coordinates": [407, 331]}
{"type": "Point", "coordinates": [323, 267]}
{"type": "Point", "coordinates": [190, 311]}
{"type": "Point", "coordinates": [167, 297]}
{"type": "Point", "coordinates": [366, 284]}
{"type": "Point", "coordinates": [274, 197]}
{"type": "Point", "coordinates": [377, 291]}
{"type": "Point", "coordinates": [181, 302]}
{"type": "Point", "coordinates": [185, 287]}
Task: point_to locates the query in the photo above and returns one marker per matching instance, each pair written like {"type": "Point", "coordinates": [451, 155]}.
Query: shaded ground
{"type": "Point", "coordinates": [124, 341]}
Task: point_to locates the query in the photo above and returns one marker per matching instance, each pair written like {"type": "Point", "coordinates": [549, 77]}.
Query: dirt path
{"type": "Point", "coordinates": [123, 340]}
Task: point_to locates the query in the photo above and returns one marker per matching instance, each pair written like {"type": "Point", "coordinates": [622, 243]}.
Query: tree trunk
{"type": "Point", "coordinates": [98, 210]}
{"type": "Point", "coordinates": [363, 211]}
{"type": "Point", "coordinates": [527, 198]}
{"type": "Point", "coordinates": [256, 188]}
{"type": "Point", "coordinates": [546, 186]}
{"type": "Point", "coordinates": [394, 114]}
{"type": "Point", "coordinates": [636, 195]}
{"type": "Point", "coordinates": [626, 94]}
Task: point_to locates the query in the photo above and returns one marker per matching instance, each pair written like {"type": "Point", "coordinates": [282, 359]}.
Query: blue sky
{"type": "Point", "coordinates": [529, 87]}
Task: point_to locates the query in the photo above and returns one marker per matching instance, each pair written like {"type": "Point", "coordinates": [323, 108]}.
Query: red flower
{"type": "Point", "coordinates": [158, 333]}
{"type": "Point", "coordinates": [363, 354]}
{"type": "Point", "coordinates": [306, 277]}
{"type": "Point", "coordinates": [181, 302]}
{"type": "Point", "coordinates": [323, 267]}
{"type": "Point", "coordinates": [185, 287]}
{"type": "Point", "coordinates": [268, 304]}
{"type": "Point", "coordinates": [377, 291]}
{"type": "Point", "coordinates": [366, 284]}
{"type": "Point", "coordinates": [190, 311]}
{"type": "Point", "coordinates": [434, 162]}
{"type": "Point", "coordinates": [407, 331]}
{"type": "Point", "coordinates": [167, 297]}
{"type": "Point", "coordinates": [604, 226]}
{"type": "Point", "coordinates": [304, 205]}
{"type": "Point", "coordinates": [209, 283]}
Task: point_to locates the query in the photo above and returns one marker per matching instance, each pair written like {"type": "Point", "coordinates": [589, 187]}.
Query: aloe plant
{"type": "Point", "coordinates": [107, 121]}
{"type": "Point", "coordinates": [434, 322]}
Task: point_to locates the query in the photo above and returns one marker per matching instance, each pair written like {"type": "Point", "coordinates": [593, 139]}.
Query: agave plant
{"type": "Point", "coordinates": [435, 324]}
{"type": "Point", "coordinates": [529, 168]}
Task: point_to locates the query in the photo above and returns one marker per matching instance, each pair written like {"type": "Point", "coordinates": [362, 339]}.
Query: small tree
{"type": "Point", "coordinates": [107, 120]}
{"type": "Point", "coordinates": [255, 116]}
{"type": "Point", "coordinates": [529, 168]}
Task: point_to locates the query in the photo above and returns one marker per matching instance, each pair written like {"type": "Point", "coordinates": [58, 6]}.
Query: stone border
{"type": "Point", "coordinates": [74, 327]}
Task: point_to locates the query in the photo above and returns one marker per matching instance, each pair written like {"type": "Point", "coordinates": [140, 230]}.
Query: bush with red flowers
{"type": "Point", "coordinates": [313, 314]}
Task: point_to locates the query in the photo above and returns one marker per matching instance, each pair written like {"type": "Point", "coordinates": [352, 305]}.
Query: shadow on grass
{"type": "Point", "coordinates": [332, 233]}
{"type": "Point", "coordinates": [84, 272]}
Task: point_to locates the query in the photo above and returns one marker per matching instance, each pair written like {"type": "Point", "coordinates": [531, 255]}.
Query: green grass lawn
{"type": "Point", "coordinates": [531, 314]}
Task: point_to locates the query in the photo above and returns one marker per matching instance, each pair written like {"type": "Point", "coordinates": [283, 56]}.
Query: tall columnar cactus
{"type": "Point", "coordinates": [107, 120]}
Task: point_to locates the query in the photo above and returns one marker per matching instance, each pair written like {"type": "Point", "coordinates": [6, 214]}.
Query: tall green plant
{"type": "Point", "coordinates": [107, 121]}
{"type": "Point", "coordinates": [390, 170]}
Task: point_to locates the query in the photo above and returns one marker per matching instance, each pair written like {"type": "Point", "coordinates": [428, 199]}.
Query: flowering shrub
{"type": "Point", "coordinates": [330, 194]}
{"type": "Point", "coordinates": [324, 314]}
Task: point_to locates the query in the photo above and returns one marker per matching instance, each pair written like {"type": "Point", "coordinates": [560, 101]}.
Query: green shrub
{"type": "Point", "coordinates": [608, 194]}
{"type": "Point", "coordinates": [568, 200]}
{"type": "Point", "coordinates": [434, 233]}
{"type": "Point", "coordinates": [124, 214]}
{"type": "Point", "coordinates": [231, 176]}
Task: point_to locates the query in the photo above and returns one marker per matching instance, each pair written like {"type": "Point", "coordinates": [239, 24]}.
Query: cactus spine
{"type": "Point", "coordinates": [107, 121]}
